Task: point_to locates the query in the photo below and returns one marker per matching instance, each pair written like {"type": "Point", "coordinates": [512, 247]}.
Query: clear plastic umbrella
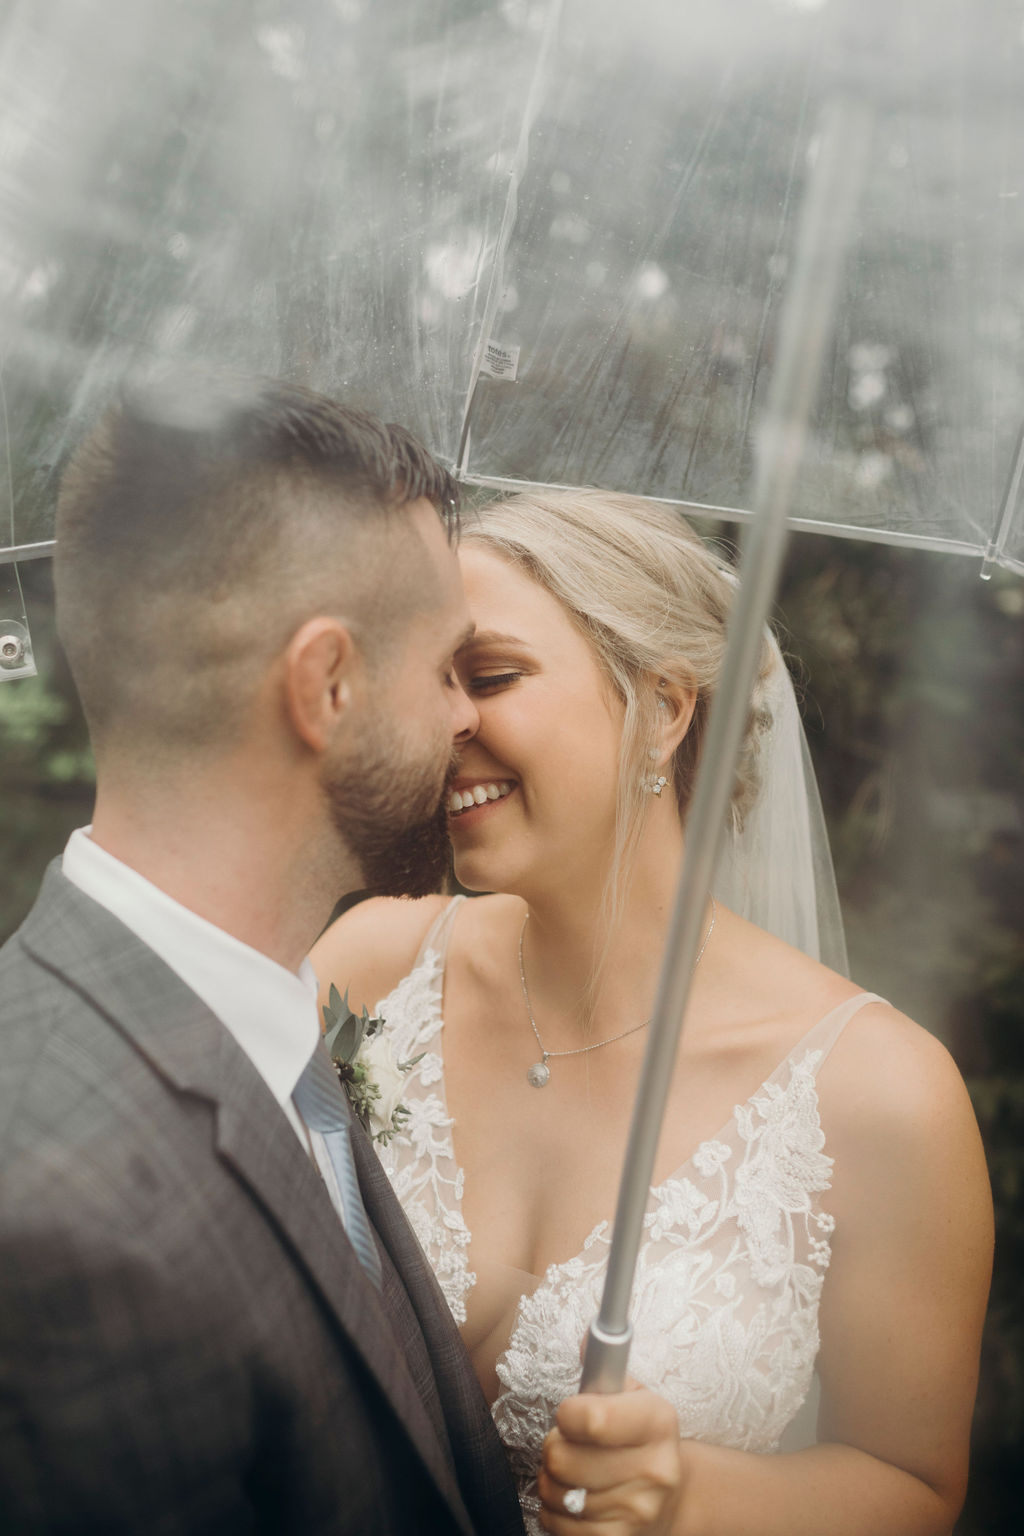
{"type": "Point", "coordinates": [553, 236]}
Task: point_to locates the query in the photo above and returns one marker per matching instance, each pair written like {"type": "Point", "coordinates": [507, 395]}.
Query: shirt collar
{"type": "Point", "coordinates": [271, 1012]}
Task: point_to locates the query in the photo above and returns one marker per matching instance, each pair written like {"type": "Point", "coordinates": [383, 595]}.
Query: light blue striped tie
{"type": "Point", "coordinates": [319, 1099]}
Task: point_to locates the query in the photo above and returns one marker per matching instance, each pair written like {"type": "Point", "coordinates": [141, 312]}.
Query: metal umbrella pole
{"type": "Point", "coordinates": [804, 330]}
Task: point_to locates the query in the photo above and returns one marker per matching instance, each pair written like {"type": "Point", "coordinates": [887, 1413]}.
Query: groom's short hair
{"type": "Point", "coordinates": [202, 520]}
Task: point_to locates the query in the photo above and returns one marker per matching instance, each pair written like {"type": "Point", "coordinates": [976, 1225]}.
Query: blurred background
{"type": "Point", "coordinates": [553, 237]}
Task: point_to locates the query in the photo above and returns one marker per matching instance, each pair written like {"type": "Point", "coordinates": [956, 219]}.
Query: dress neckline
{"type": "Point", "coordinates": [436, 957]}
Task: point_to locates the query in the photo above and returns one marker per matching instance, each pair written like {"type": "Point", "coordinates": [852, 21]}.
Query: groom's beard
{"type": "Point", "coordinates": [392, 814]}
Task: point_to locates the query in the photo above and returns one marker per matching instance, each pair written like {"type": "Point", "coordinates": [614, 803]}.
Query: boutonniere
{"type": "Point", "coordinates": [366, 1066]}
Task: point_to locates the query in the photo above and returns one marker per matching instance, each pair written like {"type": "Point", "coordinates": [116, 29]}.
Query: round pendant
{"type": "Point", "coordinates": [537, 1075]}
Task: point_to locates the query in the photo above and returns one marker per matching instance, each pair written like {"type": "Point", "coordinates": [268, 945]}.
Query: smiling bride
{"type": "Point", "coordinates": [820, 1203]}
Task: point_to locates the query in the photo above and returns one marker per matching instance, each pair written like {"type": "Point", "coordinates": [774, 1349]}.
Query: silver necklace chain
{"type": "Point", "coordinates": [539, 1073]}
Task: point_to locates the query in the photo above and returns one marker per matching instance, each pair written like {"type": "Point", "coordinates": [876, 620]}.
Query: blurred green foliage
{"type": "Point", "coordinates": [47, 776]}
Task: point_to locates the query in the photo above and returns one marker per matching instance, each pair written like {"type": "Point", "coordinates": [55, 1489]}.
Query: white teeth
{"type": "Point", "coordinates": [478, 794]}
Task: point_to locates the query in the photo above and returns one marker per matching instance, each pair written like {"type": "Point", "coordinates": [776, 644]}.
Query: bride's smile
{"type": "Point", "coordinates": [550, 732]}
{"type": "Point", "coordinates": [473, 795]}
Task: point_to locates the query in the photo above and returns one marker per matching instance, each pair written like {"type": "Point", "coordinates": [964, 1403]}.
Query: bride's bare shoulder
{"type": "Point", "coordinates": [891, 1095]}
{"type": "Point", "coordinates": [891, 1083]}
{"type": "Point", "coordinates": [883, 1067]}
{"type": "Point", "coordinates": [373, 945]}
{"type": "Point", "coordinates": [775, 980]}
{"type": "Point", "coordinates": [879, 1042]}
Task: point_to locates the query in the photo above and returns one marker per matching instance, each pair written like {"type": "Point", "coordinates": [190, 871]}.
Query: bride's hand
{"type": "Point", "coordinates": [623, 1451]}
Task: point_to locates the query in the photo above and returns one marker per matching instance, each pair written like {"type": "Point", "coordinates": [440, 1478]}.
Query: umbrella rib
{"type": "Point", "coordinates": [517, 171]}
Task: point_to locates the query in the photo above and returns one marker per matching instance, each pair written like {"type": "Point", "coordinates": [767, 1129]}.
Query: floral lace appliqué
{"type": "Point", "coordinates": [725, 1305]}
{"type": "Point", "coordinates": [421, 1161]}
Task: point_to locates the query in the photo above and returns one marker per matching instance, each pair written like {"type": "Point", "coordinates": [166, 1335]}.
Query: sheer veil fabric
{"type": "Point", "coordinates": [777, 870]}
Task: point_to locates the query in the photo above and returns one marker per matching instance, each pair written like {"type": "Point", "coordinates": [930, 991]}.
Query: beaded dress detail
{"type": "Point", "coordinates": [735, 1249]}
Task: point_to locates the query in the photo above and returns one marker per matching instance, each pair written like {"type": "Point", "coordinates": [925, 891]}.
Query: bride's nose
{"type": "Point", "coordinates": [466, 721]}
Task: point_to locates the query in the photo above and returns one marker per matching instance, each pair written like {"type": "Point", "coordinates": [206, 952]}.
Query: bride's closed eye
{"type": "Point", "coordinates": [484, 682]}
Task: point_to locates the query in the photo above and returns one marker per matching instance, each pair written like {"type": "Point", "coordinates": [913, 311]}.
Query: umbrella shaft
{"type": "Point", "coordinates": [803, 333]}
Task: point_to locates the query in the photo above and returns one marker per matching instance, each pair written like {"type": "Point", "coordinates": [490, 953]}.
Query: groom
{"type": "Point", "coordinates": [213, 1316]}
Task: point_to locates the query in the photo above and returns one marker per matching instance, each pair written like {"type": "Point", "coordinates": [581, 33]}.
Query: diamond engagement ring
{"type": "Point", "coordinates": [574, 1500]}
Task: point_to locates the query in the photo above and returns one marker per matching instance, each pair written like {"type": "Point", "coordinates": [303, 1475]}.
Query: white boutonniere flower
{"type": "Point", "coordinates": [367, 1067]}
{"type": "Point", "coordinates": [388, 1075]}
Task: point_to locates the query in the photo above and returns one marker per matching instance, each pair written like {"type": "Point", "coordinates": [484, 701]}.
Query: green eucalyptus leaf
{"type": "Point", "coordinates": [334, 1011]}
{"type": "Point", "coordinates": [349, 1038]}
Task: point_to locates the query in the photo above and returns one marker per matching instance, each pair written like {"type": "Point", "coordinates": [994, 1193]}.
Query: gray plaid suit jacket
{"type": "Point", "coordinates": [188, 1343]}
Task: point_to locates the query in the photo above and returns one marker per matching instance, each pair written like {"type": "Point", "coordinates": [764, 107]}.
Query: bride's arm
{"type": "Point", "coordinates": [901, 1316]}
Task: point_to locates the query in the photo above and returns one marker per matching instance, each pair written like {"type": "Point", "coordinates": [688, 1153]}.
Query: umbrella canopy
{"type": "Point", "coordinates": [551, 236]}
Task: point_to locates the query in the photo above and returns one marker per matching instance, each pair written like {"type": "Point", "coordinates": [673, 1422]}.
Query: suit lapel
{"type": "Point", "coordinates": [101, 959]}
{"type": "Point", "coordinates": [282, 1178]}
{"type": "Point", "coordinates": [484, 1474]}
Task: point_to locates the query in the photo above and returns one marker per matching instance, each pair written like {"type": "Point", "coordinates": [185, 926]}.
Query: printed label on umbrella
{"type": "Point", "coordinates": [500, 362]}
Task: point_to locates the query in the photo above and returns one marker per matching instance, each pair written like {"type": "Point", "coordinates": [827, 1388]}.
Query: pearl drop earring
{"type": "Point", "coordinates": [656, 783]}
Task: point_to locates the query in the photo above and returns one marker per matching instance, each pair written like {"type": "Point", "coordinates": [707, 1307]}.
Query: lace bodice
{"type": "Point", "coordinates": [736, 1245]}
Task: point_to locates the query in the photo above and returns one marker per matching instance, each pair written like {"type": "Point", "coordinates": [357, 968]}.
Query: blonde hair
{"type": "Point", "coordinates": [653, 600]}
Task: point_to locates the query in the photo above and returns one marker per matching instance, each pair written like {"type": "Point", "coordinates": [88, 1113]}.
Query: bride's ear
{"type": "Point", "coordinates": [322, 668]}
{"type": "Point", "coordinates": [675, 701]}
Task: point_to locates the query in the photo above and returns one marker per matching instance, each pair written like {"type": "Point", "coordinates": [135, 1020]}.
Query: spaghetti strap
{"type": "Point", "coordinates": [823, 1036]}
{"type": "Point", "coordinates": [438, 934]}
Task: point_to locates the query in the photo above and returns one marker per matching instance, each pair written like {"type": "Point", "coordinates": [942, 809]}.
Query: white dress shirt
{"type": "Point", "coordinates": [270, 1012]}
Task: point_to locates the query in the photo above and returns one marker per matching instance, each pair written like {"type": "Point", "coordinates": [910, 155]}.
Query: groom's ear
{"type": "Point", "coordinates": [321, 670]}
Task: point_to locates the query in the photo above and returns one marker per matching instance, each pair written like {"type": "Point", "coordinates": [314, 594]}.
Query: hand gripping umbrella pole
{"type": "Point", "coordinates": [804, 329]}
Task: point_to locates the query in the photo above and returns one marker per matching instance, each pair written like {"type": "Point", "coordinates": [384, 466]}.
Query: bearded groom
{"type": "Point", "coordinates": [213, 1316]}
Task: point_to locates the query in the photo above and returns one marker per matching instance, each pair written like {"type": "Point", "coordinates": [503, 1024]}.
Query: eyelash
{"type": "Point", "coordinates": [494, 680]}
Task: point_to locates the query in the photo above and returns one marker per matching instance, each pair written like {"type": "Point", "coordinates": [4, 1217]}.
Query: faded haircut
{"type": "Point", "coordinates": [202, 521]}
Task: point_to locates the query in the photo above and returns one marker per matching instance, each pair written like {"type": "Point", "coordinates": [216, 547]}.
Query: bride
{"type": "Point", "coordinates": [820, 1200]}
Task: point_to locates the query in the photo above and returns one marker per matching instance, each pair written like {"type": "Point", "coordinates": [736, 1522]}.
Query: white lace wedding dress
{"type": "Point", "coordinates": [736, 1246]}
